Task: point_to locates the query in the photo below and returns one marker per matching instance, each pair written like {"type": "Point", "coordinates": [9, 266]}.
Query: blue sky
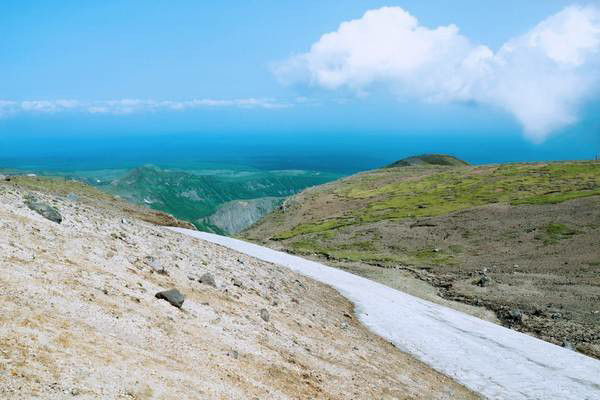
{"type": "Point", "coordinates": [188, 67]}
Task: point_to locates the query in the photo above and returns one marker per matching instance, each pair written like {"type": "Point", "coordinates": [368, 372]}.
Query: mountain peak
{"type": "Point", "coordinates": [429, 159]}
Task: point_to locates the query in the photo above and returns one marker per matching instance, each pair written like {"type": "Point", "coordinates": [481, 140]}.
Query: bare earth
{"type": "Point", "coordinates": [79, 318]}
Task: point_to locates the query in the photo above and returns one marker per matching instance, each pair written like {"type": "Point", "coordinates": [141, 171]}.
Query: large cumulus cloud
{"type": "Point", "coordinates": [541, 77]}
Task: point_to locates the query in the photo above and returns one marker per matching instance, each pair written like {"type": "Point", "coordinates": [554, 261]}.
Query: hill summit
{"type": "Point", "coordinates": [428, 159]}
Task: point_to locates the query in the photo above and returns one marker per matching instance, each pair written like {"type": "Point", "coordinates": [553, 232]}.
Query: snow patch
{"type": "Point", "coordinates": [494, 361]}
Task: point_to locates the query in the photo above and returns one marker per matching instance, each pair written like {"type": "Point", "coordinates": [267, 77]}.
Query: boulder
{"type": "Point", "coordinates": [568, 345]}
{"type": "Point", "coordinates": [264, 314]}
{"type": "Point", "coordinates": [44, 209]}
{"type": "Point", "coordinates": [237, 283]}
{"type": "Point", "coordinates": [516, 315]}
{"type": "Point", "coordinates": [173, 296]}
{"type": "Point", "coordinates": [155, 265]}
{"type": "Point", "coordinates": [483, 281]}
{"type": "Point", "coordinates": [208, 279]}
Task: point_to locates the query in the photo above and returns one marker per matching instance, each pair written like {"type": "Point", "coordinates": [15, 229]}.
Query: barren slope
{"type": "Point", "coordinates": [79, 318]}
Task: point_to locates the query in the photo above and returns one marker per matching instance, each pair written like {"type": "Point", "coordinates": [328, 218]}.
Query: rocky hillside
{"type": "Point", "coordinates": [235, 216]}
{"type": "Point", "coordinates": [519, 240]}
{"type": "Point", "coordinates": [99, 302]}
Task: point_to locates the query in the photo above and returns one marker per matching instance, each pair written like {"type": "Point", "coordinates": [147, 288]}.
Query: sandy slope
{"type": "Point", "coordinates": [78, 319]}
{"type": "Point", "coordinates": [495, 361]}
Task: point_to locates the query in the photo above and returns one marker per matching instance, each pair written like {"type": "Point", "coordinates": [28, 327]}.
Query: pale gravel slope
{"type": "Point", "coordinates": [492, 360]}
{"type": "Point", "coordinates": [78, 319]}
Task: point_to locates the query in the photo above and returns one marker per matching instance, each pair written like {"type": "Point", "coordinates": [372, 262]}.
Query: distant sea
{"type": "Point", "coordinates": [263, 152]}
{"type": "Point", "coordinates": [338, 153]}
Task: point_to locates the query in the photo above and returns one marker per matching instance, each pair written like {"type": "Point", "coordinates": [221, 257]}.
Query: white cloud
{"type": "Point", "coordinates": [541, 77]}
{"type": "Point", "coordinates": [129, 106]}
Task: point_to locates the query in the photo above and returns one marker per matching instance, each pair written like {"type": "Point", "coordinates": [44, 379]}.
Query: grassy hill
{"type": "Point", "coordinates": [532, 230]}
{"type": "Point", "coordinates": [429, 159]}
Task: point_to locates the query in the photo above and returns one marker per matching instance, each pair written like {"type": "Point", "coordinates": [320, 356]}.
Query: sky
{"type": "Point", "coordinates": [373, 80]}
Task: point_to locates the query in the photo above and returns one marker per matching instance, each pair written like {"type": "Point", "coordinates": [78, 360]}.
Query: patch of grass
{"type": "Point", "coordinates": [306, 245]}
{"type": "Point", "coordinates": [429, 256]}
{"type": "Point", "coordinates": [303, 229]}
{"type": "Point", "coordinates": [327, 235]}
{"type": "Point", "coordinates": [457, 249]}
{"type": "Point", "coordinates": [594, 263]}
{"type": "Point", "coordinates": [556, 198]}
{"type": "Point", "coordinates": [553, 233]}
{"type": "Point", "coordinates": [366, 256]}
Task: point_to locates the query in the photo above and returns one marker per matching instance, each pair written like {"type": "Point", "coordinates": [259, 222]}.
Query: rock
{"type": "Point", "coordinates": [483, 281]}
{"type": "Point", "coordinates": [236, 283]}
{"type": "Point", "coordinates": [516, 315]}
{"type": "Point", "coordinates": [173, 296]}
{"type": "Point", "coordinates": [538, 312]}
{"type": "Point", "coordinates": [208, 279]}
{"type": "Point", "coordinates": [72, 197]}
{"type": "Point", "coordinates": [264, 314]}
{"type": "Point", "coordinates": [568, 345]}
{"type": "Point", "coordinates": [43, 209]}
{"type": "Point", "coordinates": [156, 265]}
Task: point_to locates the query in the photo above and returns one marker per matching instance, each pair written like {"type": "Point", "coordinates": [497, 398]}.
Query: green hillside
{"type": "Point", "coordinates": [194, 196]}
{"type": "Point", "coordinates": [533, 229]}
{"type": "Point", "coordinates": [428, 191]}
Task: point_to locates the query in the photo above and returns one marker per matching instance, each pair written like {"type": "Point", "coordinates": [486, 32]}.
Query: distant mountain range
{"type": "Point", "coordinates": [236, 199]}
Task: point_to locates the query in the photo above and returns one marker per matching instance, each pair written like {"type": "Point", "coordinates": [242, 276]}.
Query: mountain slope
{"type": "Point", "coordinates": [195, 197]}
{"type": "Point", "coordinates": [522, 240]}
{"type": "Point", "coordinates": [234, 216]}
{"type": "Point", "coordinates": [80, 318]}
{"type": "Point", "coordinates": [496, 362]}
